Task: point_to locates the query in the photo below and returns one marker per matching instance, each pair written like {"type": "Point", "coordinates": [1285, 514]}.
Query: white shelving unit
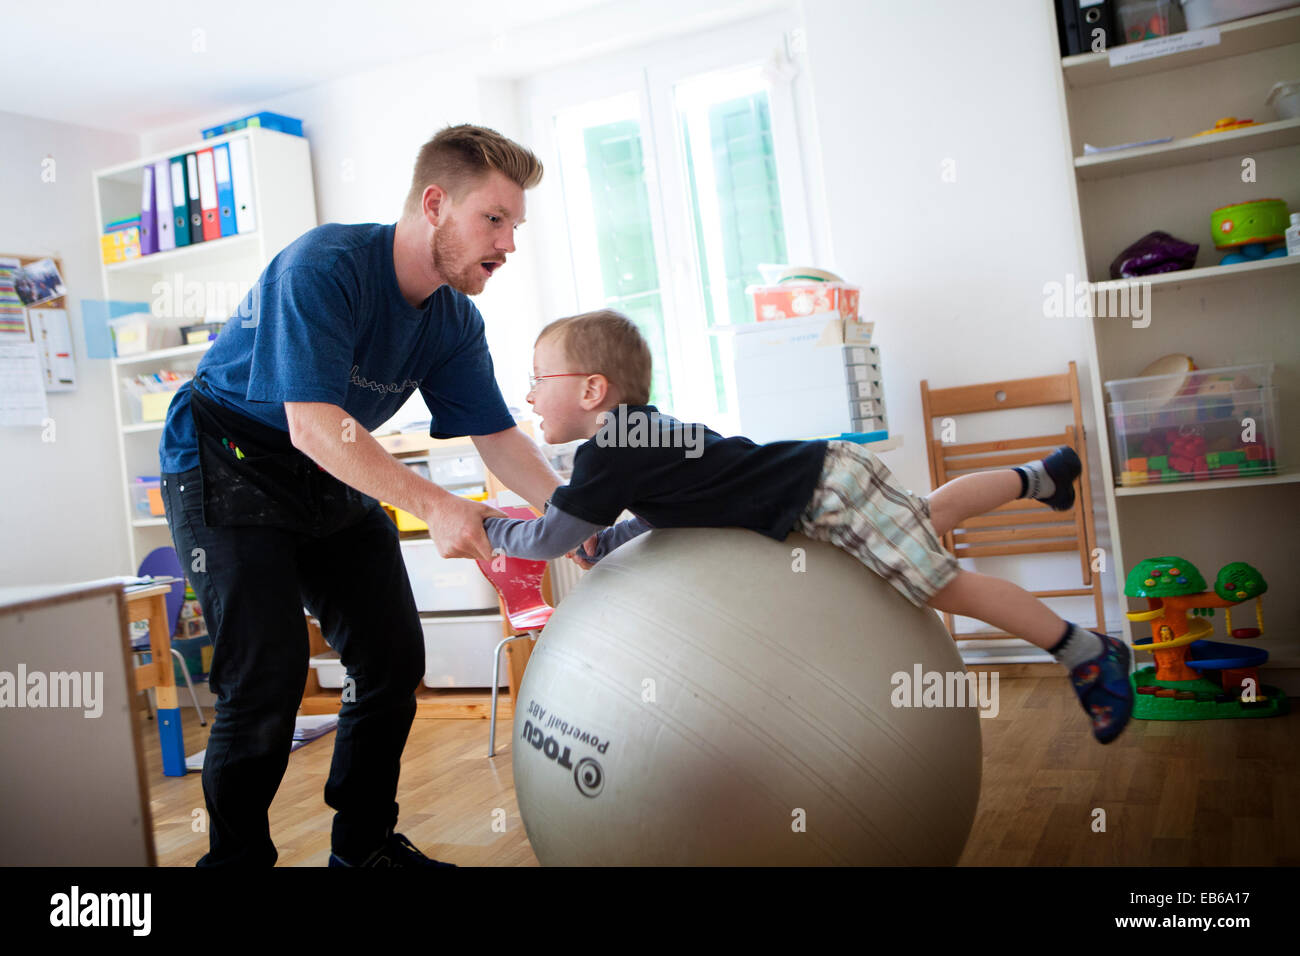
{"type": "Point", "coordinates": [285, 204]}
{"type": "Point", "coordinates": [1219, 315]}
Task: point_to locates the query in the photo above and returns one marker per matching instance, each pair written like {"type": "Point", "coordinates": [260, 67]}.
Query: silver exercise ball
{"type": "Point", "coordinates": [699, 700]}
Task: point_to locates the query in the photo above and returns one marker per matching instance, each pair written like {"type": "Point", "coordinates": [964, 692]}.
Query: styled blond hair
{"type": "Point", "coordinates": [608, 343]}
{"type": "Point", "coordinates": [459, 156]}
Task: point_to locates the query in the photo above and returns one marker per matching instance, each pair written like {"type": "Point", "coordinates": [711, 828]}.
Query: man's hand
{"type": "Point", "coordinates": [456, 527]}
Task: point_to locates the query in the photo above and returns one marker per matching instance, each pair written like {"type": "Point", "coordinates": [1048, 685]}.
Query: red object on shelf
{"type": "Point", "coordinates": [1245, 633]}
{"type": "Point", "coordinates": [1254, 452]}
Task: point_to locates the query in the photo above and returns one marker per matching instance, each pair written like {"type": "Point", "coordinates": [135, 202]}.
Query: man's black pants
{"type": "Point", "coordinates": [252, 584]}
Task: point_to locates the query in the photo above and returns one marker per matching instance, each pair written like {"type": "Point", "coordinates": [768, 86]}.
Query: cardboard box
{"type": "Point", "coordinates": [793, 300]}
{"type": "Point", "coordinates": [120, 245]}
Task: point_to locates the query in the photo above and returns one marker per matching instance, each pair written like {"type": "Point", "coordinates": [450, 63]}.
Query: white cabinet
{"type": "Point", "coordinates": [192, 284]}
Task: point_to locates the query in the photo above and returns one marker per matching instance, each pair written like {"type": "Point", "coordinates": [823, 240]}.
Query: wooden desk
{"type": "Point", "coordinates": [150, 604]}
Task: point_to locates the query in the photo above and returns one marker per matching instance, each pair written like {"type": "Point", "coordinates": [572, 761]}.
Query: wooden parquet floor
{"type": "Point", "coordinates": [1191, 793]}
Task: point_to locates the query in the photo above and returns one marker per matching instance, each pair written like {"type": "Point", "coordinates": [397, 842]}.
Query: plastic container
{"type": "Point", "coordinates": [463, 470]}
{"type": "Point", "coordinates": [1205, 424]}
{"type": "Point", "coordinates": [134, 334]}
{"type": "Point", "coordinates": [458, 651]}
{"type": "Point", "coordinates": [1144, 19]}
{"type": "Point", "coordinates": [146, 497]}
{"type": "Point", "coordinates": [1285, 99]}
{"type": "Point", "coordinates": [445, 584]}
{"type": "Point", "coordinates": [330, 671]}
{"type": "Point", "coordinates": [1206, 13]}
{"type": "Point", "coordinates": [266, 120]}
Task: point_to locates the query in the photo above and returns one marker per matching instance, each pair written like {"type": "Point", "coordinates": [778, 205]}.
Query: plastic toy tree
{"type": "Point", "coordinates": [1174, 587]}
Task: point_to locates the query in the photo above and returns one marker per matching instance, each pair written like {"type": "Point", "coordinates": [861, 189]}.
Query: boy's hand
{"type": "Point", "coordinates": [588, 546]}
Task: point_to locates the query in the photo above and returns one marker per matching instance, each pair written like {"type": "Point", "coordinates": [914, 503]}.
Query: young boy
{"type": "Point", "coordinates": [591, 379]}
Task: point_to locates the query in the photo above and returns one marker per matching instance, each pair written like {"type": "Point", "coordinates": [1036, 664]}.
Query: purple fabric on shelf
{"type": "Point", "coordinates": [1154, 253]}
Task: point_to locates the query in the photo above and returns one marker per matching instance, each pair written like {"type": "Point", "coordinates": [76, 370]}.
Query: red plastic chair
{"type": "Point", "coordinates": [519, 582]}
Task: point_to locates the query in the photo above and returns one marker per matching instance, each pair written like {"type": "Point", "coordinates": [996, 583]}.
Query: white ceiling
{"type": "Point", "coordinates": [134, 65]}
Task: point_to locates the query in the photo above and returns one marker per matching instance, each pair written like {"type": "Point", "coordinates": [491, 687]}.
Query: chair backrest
{"type": "Point", "coordinates": [163, 562]}
{"type": "Point", "coordinates": [1022, 526]}
{"type": "Point", "coordinates": [519, 582]}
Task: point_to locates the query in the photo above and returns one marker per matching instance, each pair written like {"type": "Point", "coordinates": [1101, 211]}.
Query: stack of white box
{"type": "Point", "coordinates": [800, 378]}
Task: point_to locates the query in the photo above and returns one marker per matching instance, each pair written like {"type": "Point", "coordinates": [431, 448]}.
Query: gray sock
{"type": "Point", "coordinates": [1076, 646]}
{"type": "Point", "coordinates": [1035, 482]}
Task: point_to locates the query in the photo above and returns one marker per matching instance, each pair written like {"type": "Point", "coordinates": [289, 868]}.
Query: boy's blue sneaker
{"type": "Point", "coordinates": [396, 851]}
{"type": "Point", "coordinates": [1104, 689]}
{"type": "Point", "coordinates": [1063, 467]}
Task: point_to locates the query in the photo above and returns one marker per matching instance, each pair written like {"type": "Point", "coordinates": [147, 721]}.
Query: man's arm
{"type": "Point", "coordinates": [329, 436]}
{"type": "Point", "coordinates": [515, 458]}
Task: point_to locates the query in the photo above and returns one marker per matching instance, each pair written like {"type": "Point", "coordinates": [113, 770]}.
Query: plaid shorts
{"type": "Point", "coordinates": [859, 507]}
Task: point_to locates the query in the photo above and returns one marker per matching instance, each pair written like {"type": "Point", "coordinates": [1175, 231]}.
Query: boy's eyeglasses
{"type": "Point", "coordinates": [534, 379]}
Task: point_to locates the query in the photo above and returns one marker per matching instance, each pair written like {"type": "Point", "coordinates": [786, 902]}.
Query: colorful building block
{"type": "Point", "coordinates": [1158, 461]}
{"type": "Point", "coordinates": [1255, 452]}
{"type": "Point", "coordinates": [1136, 464]}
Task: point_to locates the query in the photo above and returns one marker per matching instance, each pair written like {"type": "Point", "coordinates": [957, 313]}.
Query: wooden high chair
{"type": "Point", "coordinates": [1022, 526]}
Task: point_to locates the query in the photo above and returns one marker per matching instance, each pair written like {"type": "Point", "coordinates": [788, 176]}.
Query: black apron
{"type": "Point", "coordinates": [253, 476]}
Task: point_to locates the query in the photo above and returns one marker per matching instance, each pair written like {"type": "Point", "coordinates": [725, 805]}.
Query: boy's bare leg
{"type": "Point", "coordinates": [971, 495]}
{"type": "Point", "coordinates": [1002, 604]}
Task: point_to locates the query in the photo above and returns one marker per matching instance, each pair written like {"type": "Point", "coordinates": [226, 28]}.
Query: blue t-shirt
{"type": "Point", "coordinates": [326, 322]}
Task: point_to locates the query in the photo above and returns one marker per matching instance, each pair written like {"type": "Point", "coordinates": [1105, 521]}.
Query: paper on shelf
{"type": "Point", "coordinates": [1163, 46]}
{"type": "Point", "coordinates": [1089, 149]}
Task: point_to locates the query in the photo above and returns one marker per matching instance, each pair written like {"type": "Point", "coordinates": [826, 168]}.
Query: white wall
{"type": "Point", "coordinates": [952, 272]}
{"type": "Point", "coordinates": [365, 131]}
{"type": "Point", "coordinates": [61, 501]}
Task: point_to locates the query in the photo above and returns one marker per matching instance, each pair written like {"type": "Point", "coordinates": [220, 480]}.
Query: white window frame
{"type": "Point", "coordinates": [648, 75]}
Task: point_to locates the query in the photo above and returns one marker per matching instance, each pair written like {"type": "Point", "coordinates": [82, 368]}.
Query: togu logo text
{"type": "Point", "coordinates": [588, 775]}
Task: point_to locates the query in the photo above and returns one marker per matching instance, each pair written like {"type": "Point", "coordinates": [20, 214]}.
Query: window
{"type": "Point", "coordinates": [676, 181]}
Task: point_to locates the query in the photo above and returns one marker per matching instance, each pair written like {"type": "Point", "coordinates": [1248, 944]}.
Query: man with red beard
{"type": "Point", "coordinates": [270, 479]}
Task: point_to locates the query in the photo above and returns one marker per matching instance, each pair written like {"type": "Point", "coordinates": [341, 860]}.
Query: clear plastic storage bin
{"type": "Point", "coordinates": [1194, 426]}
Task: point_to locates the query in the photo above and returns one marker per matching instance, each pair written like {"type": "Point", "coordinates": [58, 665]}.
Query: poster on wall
{"type": "Point", "coordinates": [13, 317]}
{"type": "Point", "coordinates": [22, 392]}
{"type": "Point", "coordinates": [39, 282]}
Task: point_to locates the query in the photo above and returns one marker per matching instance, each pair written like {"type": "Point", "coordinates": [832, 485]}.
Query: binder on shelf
{"type": "Point", "coordinates": [180, 205]}
{"type": "Point", "coordinates": [148, 217]}
{"type": "Point", "coordinates": [1067, 26]}
{"type": "Point", "coordinates": [241, 181]}
{"type": "Point", "coordinates": [1095, 16]}
{"type": "Point", "coordinates": [225, 195]}
{"type": "Point", "coordinates": [208, 194]}
{"type": "Point", "coordinates": [162, 204]}
{"type": "Point", "coordinates": [195, 207]}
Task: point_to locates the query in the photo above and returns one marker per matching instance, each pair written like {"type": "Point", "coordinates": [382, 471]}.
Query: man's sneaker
{"type": "Point", "coordinates": [396, 851]}
{"type": "Point", "coordinates": [1063, 467]}
{"type": "Point", "coordinates": [1104, 689]}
